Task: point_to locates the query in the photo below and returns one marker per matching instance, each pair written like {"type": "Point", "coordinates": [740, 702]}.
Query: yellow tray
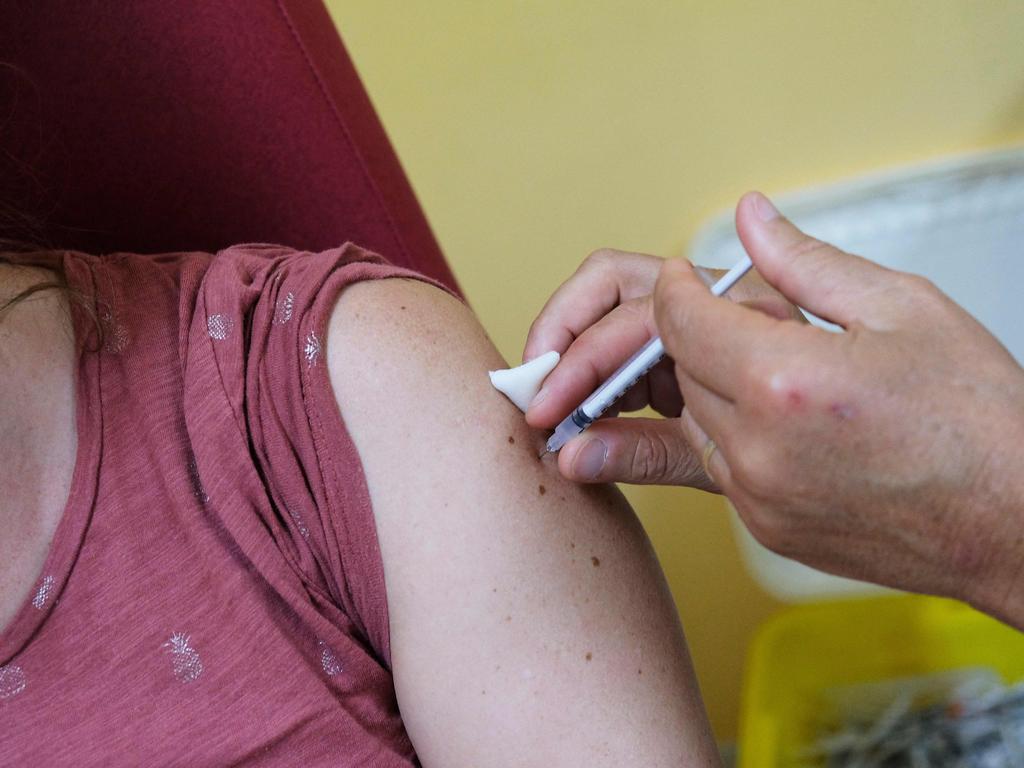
{"type": "Point", "coordinates": [804, 651]}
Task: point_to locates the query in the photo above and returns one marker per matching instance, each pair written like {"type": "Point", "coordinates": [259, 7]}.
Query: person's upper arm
{"type": "Point", "coordinates": [530, 623]}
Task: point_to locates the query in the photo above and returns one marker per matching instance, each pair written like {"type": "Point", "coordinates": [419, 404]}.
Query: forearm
{"type": "Point", "coordinates": [998, 588]}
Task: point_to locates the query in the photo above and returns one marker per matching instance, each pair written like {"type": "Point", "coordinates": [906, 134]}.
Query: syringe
{"type": "Point", "coordinates": [628, 374]}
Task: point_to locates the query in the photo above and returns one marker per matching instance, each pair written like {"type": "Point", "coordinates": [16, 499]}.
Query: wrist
{"type": "Point", "coordinates": [1000, 592]}
{"type": "Point", "coordinates": [1003, 598]}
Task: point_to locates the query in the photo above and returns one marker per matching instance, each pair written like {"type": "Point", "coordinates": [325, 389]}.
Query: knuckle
{"type": "Point", "coordinates": [641, 269]}
{"type": "Point", "coordinates": [763, 380]}
{"type": "Point", "coordinates": [753, 468]}
{"type": "Point", "coordinates": [912, 292]}
{"type": "Point", "coordinates": [536, 327]}
{"type": "Point", "coordinates": [635, 270]}
{"type": "Point", "coordinates": [670, 301]}
{"type": "Point", "coordinates": [816, 256]}
{"type": "Point", "coordinates": [778, 390]}
{"type": "Point", "coordinates": [806, 246]}
{"type": "Point", "coordinates": [586, 346]}
{"type": "Point", "coordinates": [602, 257]}
{"type": "Point", "coordinates": [920, 287]}
{"type": "Point", "coordinates": [759, 376]}
{"type": "Point", "coordinates": [636, 309]}
{"type": "Point", "coordinates": [651, 457]}
{"type": "Point", "coordinates": [913, 282]}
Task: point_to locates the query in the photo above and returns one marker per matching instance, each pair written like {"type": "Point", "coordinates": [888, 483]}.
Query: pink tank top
{"type": "Point", "coordinates": [214, 593]}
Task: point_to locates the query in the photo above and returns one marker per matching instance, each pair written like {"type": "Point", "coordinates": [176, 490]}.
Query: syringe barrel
{"type": "Point", "coordinates": [625, 377]}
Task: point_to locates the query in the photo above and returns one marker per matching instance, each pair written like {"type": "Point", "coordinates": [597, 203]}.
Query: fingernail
{"type": "Point", "coordinates": [538, 398]}
{"type": "Point", "coordinates": [765, 210]}
{"type": "Point", "coordinates": [590, 459]}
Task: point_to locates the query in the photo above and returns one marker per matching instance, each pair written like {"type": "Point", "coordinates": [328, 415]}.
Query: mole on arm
{"type": "Point", "coordinates": [511, 440]}
{"type": "Point", "coordinates": [595, 561]}
{"type": "Point", "coordinates": [589, 656]}
{"type": "Point", "coordinates": [542, 490]}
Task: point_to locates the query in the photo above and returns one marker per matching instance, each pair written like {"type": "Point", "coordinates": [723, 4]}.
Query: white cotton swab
{"type": "Point", "coordinates": [521, 384]}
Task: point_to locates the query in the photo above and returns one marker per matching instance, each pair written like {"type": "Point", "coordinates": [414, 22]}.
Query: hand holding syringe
{"type": "Point", "coordinates": [839, 445]}
{"type": "Point", "coordinates": [635, 368]}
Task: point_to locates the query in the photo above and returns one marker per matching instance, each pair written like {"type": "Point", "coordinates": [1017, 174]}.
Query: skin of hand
{"type": "Point", "coordinates": [599, 317]}
{"type": "Point", "coordinates": [890, 452]}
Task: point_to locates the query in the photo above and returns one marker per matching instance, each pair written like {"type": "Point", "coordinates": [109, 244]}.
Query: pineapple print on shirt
{"type": "Point", "coordinates": [43, 593]}
{"type": "Point", "coordinates": [185, 659]}
{"type": "Point", "coordinates": [312, 350]}
{"type": "Point", "coordinates": [285, 307]}
{"type": "Point", "coordinates": [219, 326]}
{"type": "Point", "coordinates": [115, 334]}
{"type": "Point", "coordinates": [328, 660]}
{"type": "Point", "coordinates": [12, 681]}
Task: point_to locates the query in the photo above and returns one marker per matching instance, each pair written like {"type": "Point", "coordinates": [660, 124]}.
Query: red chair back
{"type": "Point", "coordinates": [162, 125]}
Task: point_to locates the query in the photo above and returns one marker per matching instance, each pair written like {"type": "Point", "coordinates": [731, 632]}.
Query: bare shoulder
{"type": "Point", "coordinates": [529, 617]}
{"type": "Point", "coordinates": [402, 325]}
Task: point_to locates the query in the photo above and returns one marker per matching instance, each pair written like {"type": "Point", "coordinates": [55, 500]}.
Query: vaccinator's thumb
{"type": "Point", "coordinates": [812, 274]}
{"type": "Point", "coordinates": [630, 450]}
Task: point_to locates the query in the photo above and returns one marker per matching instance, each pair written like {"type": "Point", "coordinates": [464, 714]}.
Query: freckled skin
{"type": "Point", "coordinates": [429, 377]}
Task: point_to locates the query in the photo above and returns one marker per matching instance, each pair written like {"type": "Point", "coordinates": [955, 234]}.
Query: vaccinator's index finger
{"type": "Point", "coordinates": [712, 339]}
{"type": "Point", "coordinates": [606, 279]}
{"type": "Point", "coordinates": [823, 279]}
{"type": "Point", "coordinates": [590, 359]}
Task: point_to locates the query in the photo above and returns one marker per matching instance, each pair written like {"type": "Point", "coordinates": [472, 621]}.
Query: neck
{"type": "Point", "coordinates": [37, 428]}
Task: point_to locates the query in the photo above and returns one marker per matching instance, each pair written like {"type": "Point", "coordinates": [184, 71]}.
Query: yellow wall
{"type": "Point", "coordinates": [535, 131]}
